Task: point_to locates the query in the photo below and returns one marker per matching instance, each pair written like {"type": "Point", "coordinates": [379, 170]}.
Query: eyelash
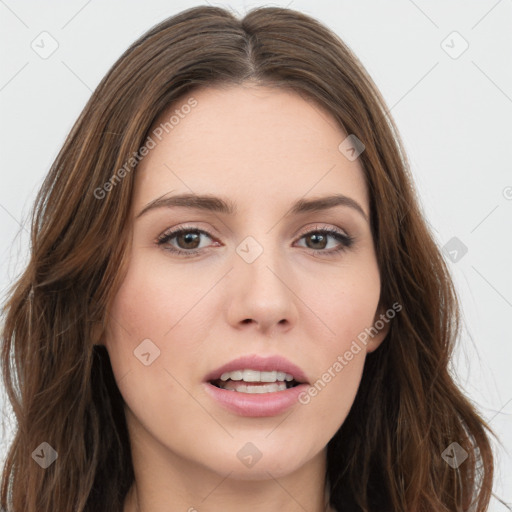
{"type": "Point", "coordinates": [345, 240]}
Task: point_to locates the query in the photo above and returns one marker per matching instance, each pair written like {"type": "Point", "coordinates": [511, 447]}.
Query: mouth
{"type": "Point", "coordinates": [256, 374]}
{"type": "Point", "coordinates": [256, 386]}
{"type": "Point", "coordinates": [255, 382]}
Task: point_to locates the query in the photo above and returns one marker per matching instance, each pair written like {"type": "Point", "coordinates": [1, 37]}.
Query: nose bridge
{"type": "Point", "coordinates": [260, 291]}
{"type": "Point", "coordinates": [260, 260]}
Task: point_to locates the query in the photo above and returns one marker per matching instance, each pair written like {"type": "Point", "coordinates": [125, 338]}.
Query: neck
{"type": "Point", "coordinates": [283, 494]}
{"type": "Point", "coordinates": [132, 503]}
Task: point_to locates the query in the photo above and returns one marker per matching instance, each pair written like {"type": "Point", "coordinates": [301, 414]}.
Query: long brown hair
{"type": "Point", "coordinates": [387, 455]}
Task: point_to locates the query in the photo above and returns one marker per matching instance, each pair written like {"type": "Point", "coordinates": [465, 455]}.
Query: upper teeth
{"type": "Point", "coordinates": [256, 376]}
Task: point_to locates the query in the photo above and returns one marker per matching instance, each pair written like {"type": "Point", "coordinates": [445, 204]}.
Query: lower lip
{"type": "Point", "coordinates": [258, 404]}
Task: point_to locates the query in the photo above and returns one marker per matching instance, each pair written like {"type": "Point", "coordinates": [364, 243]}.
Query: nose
{"type": "Point", "coordinates": [260, 295]}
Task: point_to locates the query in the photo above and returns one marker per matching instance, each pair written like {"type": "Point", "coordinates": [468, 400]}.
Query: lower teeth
{"type": "Point", "coordinates": [254, 388]}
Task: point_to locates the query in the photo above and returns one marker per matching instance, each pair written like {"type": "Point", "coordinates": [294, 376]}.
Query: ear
{"type": "Point", "coordinates": [380, 328]}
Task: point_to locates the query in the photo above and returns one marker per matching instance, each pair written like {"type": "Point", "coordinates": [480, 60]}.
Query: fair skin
{"type": "Point", "coordinates": [262, 149]}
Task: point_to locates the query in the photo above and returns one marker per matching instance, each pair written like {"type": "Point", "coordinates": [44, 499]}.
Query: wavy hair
{"type": "Point", "coordinates": [387, 455]}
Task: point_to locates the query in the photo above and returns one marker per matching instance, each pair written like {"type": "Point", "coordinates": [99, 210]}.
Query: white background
{"type": "Point", "coordinates": [453, 114]}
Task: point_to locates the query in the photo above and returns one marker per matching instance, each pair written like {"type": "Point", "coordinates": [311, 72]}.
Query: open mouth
{"type": "Point", "coordinates": [256, 375]}
{"type": "Point", "coordinates": [253, 387]}
{"type": "Point", "coordinates": [256, 387]}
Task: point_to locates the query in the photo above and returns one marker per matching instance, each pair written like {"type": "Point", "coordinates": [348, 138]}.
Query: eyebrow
{"type": "Point", "coordinates": [220, 205]}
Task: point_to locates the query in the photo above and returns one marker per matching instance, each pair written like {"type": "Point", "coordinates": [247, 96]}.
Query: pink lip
{"type": "Point", "coordinates": [256, 362]}
{"type": "Point", "coordinates": [264, 404]}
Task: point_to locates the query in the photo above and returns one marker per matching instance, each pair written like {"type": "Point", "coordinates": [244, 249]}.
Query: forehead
{"type": "Point", "coordinates": [257, 145]}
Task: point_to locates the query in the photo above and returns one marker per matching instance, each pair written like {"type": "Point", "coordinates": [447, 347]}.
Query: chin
{"type": "Point", "coordinates": [268, 463]}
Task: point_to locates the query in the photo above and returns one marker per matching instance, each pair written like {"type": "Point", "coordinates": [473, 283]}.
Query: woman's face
{"type": "Point", "coordinates": [261, 280]}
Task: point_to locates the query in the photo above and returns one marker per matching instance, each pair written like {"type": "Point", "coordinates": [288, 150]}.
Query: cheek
{"type": "Point", "coordinates": [149, 310]}
{"type": "Point", "coordinates": [154, 298]}
{"type": "Point", "coordinates": [347, 304]}
{"type": "Point", "coordinates": [149, 305]}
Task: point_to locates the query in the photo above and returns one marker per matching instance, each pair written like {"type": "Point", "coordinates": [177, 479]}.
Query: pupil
{"type": "Point", "coordinates": [317, 236]}
{"type": "Point", "coordinates": [187, 237]}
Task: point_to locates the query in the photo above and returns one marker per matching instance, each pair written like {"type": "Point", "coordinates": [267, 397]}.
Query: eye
{"type": "Point", "coordinates": [188, 240]}
{"type": "Point", "coordinates": [319, 240]}
{"type": "Point", "coordinates": [188, 237]}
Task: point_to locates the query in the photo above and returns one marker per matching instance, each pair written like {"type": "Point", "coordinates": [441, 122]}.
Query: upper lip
{"type": "Point", "coordinates": [261, 363]}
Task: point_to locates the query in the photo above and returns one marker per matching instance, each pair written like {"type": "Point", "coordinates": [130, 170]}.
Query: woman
{"type": "Point", "coordinates": [233, 300]}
